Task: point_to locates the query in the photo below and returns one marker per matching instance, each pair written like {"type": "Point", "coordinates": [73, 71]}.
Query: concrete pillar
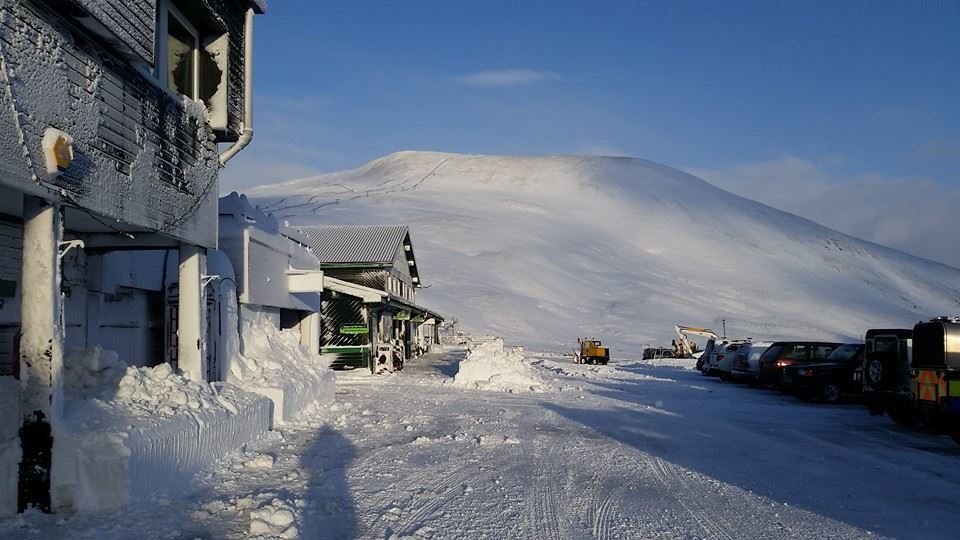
{"type": "Point", "coordinates": [310, 332]}
{"type": "Point", "coordinates": [41, 350]}
{"type": "Point", "coordinates": [190, 313]}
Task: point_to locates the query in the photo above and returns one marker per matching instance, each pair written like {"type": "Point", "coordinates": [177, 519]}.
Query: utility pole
{"type": "Point", "coordinates": [724, 321]}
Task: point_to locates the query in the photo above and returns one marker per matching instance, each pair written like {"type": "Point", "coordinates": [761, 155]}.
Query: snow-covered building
{"type": "Point", "coordinates": [112, 115]}
{"type": "Point", "coordinates": [370, 315]}
{"type": "Point", "coordinates": [269, 273]}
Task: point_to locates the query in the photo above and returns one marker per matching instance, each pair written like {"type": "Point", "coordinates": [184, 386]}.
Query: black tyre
{"type": "Point", "coordinates": [724, 376]}
{"type": "Point", "coordinates": [830, 392]}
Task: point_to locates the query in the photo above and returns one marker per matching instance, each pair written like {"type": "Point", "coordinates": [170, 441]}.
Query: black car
{"type": "Point", "coordinates": [787, 353]}
{"type": "Point", "coordinates": [828, 380]}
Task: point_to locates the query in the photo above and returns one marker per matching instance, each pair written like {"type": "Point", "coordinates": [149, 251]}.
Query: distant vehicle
{"type": "Point", "coordinates": [651, 353]}
{"type": "Point", "coordinates": [683, 348]}
{"type": "Point", "coordinates": [829, 380]}
{"type": "Point", "coordinates": [787, 353]}
{"type": "Point", "coordinates": [722, 362]}
{"type": "Point", "coordinates": [708, 349]}
{"type": "Point", "coordinates": [886, 373]}
{"type": "Point", "coordinates": [746, 365]}
{"type": "Point", "coordinates": [592, 352]}
{"type": "Point", "coordinates": [936, 374]}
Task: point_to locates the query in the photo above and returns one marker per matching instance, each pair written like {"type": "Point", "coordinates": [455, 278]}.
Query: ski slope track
{"type": "Point", "coordinates": [543, 249]}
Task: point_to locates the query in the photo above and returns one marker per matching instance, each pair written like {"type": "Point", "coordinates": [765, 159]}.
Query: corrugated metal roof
{"type": "Point", "coordinates": [355, 244]}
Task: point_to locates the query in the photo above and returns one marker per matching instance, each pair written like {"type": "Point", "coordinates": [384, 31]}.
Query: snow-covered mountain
{"type": "Point", "coordinates": [540, 250]}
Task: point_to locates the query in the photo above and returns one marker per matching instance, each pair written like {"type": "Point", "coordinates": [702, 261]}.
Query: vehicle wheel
{"type": "Point", "coordinates": [901, 415]}
{"type": "Point", "coordinates": [724, 376]}
{"type": "Point", "coordinates": [830, 392]}
{"type": "Point", "coordinates": [875, 372]}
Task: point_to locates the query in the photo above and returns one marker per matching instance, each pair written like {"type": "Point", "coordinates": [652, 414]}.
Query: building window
{"type": "Point", "coordinates": [182, 54]}
{"type": "Point", "coordinates": [192, 58]}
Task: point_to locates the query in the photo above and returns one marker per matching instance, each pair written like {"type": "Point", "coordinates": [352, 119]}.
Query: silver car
{"type": "Point", "coordinates": [746, 364]}
{"type": "Point", "coordinates": [722, 363]}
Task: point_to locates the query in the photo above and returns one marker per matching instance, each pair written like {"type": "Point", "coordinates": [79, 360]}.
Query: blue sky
{"type": "Point", "coordinates": [810, 93]}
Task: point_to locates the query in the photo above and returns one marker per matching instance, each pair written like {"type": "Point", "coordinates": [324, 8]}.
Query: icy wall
{"type": "Point", "coordinates": [142, 155]}
{"type": "Point", "coordinates": [132, 21]}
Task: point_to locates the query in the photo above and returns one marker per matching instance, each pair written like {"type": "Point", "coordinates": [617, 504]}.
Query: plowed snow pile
{"type": "Point", "coordinates": [99, 375]}
{"type": "Point", "coordinates": [489, 367]}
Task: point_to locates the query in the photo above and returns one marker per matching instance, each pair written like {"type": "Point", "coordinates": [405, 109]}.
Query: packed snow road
{"type": "Point", "coordinates": [619, 451]}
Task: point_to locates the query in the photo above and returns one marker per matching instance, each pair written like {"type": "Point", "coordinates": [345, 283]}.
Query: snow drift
{"type": "Point", "coordinates": [275, 364]}
{"type": "Point", "coordinates": [134, 432]}
{"type": "Point", "coordinates": [542, 250]}
{"type": "Point", "coordinates": [489, 367]}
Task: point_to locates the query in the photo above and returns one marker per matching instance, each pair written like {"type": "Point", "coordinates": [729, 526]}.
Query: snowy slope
{"type": "Point", "coordinates": [540, 250]}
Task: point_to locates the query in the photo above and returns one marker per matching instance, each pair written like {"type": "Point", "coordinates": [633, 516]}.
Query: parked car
{"type": "Point", "coordinates": [829, 380]}
{"type": "Point", "coordinates": [724, 354]}
{"type": "Point", "coordinates": [723, 361]}
{"type": "Point", "coordinates": [746, 366]}
{"type": "Point", "coordinates": [787, 353]}
{"type": "Point", "coordinates": [708, 349]}
{"type": "Point", "coordinates": [885, 374]}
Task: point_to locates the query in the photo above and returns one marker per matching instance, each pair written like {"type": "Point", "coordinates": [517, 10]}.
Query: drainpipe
{"type": "Point", "coordinates": [246, 134]}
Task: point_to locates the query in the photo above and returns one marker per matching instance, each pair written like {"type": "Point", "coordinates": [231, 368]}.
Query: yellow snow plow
{"type": "Point", "coordinates": [592, 352]}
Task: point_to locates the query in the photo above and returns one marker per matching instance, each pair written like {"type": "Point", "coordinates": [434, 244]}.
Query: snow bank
{"type": "Point", "coordinates": [130, 433]}
{"type": "Point", "coordinates": [489, 367]}
{"type": "Point", "coordinates": [276, 365]}
{"type": "Point", "coordinates": [9, 444]}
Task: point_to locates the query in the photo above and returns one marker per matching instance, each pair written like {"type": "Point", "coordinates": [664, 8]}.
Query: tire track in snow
{"type": "Point", "coordinates": [542, 513]}
{"type": "Point", "coordinates": [446, 490]}
{"type": "Point", "coordinates": [666, 473]}
{"type": "Point", "coordinates": [604, 514]}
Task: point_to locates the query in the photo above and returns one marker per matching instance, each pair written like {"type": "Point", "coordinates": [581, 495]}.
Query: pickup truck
{"type": "Point", "coordinates": [828, 380]}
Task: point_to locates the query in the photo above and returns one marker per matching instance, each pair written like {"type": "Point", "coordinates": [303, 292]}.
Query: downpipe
{"type": "Point", "coordinates": [246, 134]}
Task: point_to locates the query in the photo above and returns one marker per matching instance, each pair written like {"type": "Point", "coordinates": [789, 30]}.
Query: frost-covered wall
{"type": "Point", "coordinates": [142, 155]}
{"type": "Point", "coordinates": [133, 22]}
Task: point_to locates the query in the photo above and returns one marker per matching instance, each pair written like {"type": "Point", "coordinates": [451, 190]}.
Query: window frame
{"type": "Point", "coordinates": [166, 9]}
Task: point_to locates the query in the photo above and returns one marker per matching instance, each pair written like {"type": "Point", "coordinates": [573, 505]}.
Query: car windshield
{"type": "Point", "coordinates": [845, 354]}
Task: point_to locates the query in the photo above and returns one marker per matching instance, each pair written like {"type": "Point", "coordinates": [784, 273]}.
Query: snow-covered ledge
{"type": "Point", "coordinates": [145, 433]}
